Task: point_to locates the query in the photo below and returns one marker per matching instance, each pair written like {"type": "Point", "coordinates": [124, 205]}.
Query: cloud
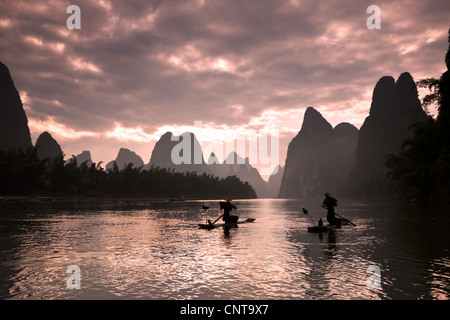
{"type": "Point", "coordinates": [138, 66]}
{"type": "Point", "coordinates": [59, 129]}
{"type": "Point", "coordinates": [127, 134]}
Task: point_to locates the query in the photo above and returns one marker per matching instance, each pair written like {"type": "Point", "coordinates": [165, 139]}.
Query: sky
{"type": "Point", "coordinates": [224, 69]}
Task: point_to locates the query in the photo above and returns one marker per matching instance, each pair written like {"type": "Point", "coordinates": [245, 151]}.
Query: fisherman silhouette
{"type": "Point", "coordinates": [329, 203]}
{"type": "Point", "coordinates": [227, 206]}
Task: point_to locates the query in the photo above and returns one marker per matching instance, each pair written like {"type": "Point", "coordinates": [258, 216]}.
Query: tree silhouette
{"type": "Point", "coordinates": [22, 172]}
{"type": "Point", "coordinates": [422, 169]}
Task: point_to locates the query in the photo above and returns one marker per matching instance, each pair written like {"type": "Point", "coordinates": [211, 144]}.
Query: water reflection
{"type": "Point", "coordinates": [227, 234]}
{"type": "Point", "coordinates": [146, 250]}
{"type": "Point", "coordinates": [331, 247]}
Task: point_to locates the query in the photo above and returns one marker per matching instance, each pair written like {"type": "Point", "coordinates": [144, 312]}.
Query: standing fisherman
{"type": "Point", "coordinates": [227, 207]}
{"type": "Point", "coordinates": [329, 203]}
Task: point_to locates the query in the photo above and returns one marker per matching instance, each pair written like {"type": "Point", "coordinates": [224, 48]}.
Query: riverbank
{"type": "Point", "coordinates": [78, 198]}
{"type": "Point", "coordinates": [26, 199]}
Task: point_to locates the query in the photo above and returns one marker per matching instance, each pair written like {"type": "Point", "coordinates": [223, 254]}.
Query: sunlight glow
{"type": "Point", "coordinates": [270, 121]}
{"type": "Point", "coordinates": [192, 60]}
{"type": "Point", "coordinates": [105, 5]}
{"type": "Point", "coordinates": [408, 48]}
{"type": "Point", "coordinates": [125, 134]}
{"type": "Point", "coordinates": [25, 99]}
{"type": "Point", "coordinates": [81, 65]}
{"type": "Point", "coordinates": [222, 65]}
{"type": "Point", "coordinates": [5, 23]}
{"type": "Point", "coordinates": [58, 47]}
{"type": "Point", "coordinates": [34, 40]}
{"type": "Point", "coordinates": [59, 129]}
{"type": "Point", "coordinates": [217, 139]}
{"type": "Point", "coordinates": [336, 33]}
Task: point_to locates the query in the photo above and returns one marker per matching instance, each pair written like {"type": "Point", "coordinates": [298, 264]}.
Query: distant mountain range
{"type": "Point", "coordinates": [165, 149]}
{"type": "Point", "coordinates": [320, 158]}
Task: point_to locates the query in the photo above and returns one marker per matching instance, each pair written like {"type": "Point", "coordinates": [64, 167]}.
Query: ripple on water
{"type": "Point", "coordinates": [134, 252]}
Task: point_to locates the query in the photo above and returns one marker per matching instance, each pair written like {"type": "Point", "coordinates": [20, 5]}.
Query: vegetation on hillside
{"type": "Point", "coordinates": [421, 171]}
{"type": "Point", "coordinates": [22, 172]}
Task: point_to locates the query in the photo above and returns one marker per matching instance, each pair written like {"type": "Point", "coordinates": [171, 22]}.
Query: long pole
{"type": "Point", "coordinates": [217, 219]}
{"type": "Point", "coordinates": [341, 217]}
{"type": "Point", "coordinates": [345, 219]}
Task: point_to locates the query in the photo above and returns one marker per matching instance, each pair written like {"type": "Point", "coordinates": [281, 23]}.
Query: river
{"type": "Point", "coordinates": [155, 250]}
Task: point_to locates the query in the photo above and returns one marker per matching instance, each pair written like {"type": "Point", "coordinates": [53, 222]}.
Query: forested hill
{"type": "Point", "coordinates": [23, 172]}
{"type": "Point", "coordinates": [421, 171]}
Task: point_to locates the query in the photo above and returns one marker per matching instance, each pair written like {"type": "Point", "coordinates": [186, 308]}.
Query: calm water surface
{"type": "Point", "coordinates": [154, 250]}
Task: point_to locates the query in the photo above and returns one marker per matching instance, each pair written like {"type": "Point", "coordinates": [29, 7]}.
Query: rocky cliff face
{"type": "Point", "coordinates": [161, 152]}
{"type": "Point", "coordinates": [343, 159]}
{"type": "Point", "coordinates": [83, 157]}
{"type": "Point", "coordinates": [48, 147]}
{"type": "Point", "coordinates": [182, 153]}
{"type": "Point", "coordinates": [124, 158]}
{"type": "Point", "coordinates": [395, 107]}
{"type": "Point", "coordinates": [14, 131]}
{"type": "Point", "coordinates": [318, 158]}
{"type": "Point", "coordinates": [274, 183]}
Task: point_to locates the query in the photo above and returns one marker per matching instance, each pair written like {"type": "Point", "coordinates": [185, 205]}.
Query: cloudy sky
{"type": "Point", "coordinates": [139, 68]}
